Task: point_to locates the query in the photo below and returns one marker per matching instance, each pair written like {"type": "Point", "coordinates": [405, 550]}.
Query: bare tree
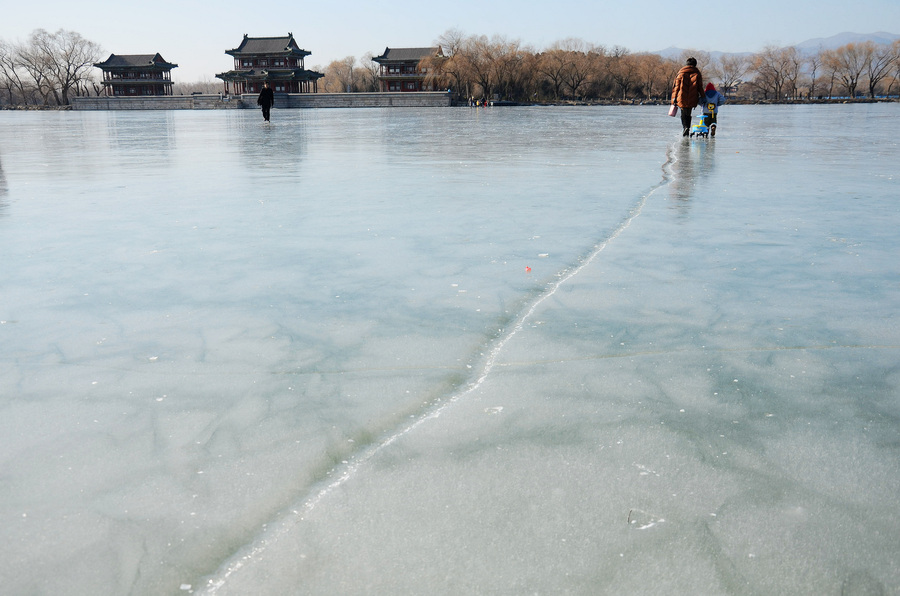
{"type": "Point", "coordinates": [59, 62]}
{"type": "Point", "coordinates": [847, 63]}
{"type": "Point", "coordinates": [460, 65]}
{"type": "Point", "coordinates": [793, 62]}
{"type": "Point", "coordinates": [368, 73]}
{"type": "Point", "coordinates": [562, 65]}
{"type": "Point", "coordinates": [451, 68]}
{"type": "Point", "coordinates": [478, 50]}
{"type": "Point", "coordinates": [879, 62]}
{"type": "Point", "coordinates": [551, 67]}
{"type": "Point", "coordinates": [776, 70]}
{"type": "Point", "coordinates": [340, 76]}
{"type": "Point", "coordinates": [895, 76]}
{"type": "Point", "coordinates": [814, 62]}
{"type": "Point", "coordinates": [832, 76]}
{"type": "Point", "coordinates": [506, 59]}
{"type": "Point", "coordinates": [33, 64]}
{"type": "Point", "coordinates": [527, 82]}
{"type": "Point", "coordinates": [622, 70]}
{"type": "Point", "coordinates": [730, 69]}
{"type": "Point", "coordinates": [557, 61]}
{"type": "Point", "coordinates": [653, 74]}
{"type": "Point", "coordinates": [11, 75]}
{"type": "Point", "coordinates": [584, 67]}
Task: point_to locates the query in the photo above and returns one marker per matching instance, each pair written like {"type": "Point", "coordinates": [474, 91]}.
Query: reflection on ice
{"type": "Point", "coordinates": [484, 360]}
{"type": "Point", "coordinates": [693, 160]}
{"type": "Point", "coordinates": [3, 190]}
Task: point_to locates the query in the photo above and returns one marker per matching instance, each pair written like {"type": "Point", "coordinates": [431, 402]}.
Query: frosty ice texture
{"type": "Point", "coordinates": [312, 357]}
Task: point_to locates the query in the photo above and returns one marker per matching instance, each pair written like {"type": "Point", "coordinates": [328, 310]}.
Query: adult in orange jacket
{"type": "Point", "coordinates": [687, 92]}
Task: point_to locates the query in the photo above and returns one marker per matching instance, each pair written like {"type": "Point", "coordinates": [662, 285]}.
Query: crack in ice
{"type": "Point", "coordinates": [297, 514]}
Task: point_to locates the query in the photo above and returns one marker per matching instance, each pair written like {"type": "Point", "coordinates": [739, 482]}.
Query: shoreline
{"type": "Point", "coordinates": [500, 103]}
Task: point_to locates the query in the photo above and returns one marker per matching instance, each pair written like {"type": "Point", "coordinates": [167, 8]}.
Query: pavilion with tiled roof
{"type": "Point", "coordinates": [136, 74]}
{"type": "Point", "coordinates": [276, 60]}
{"type": "Point", "coordinates": [400, 70]}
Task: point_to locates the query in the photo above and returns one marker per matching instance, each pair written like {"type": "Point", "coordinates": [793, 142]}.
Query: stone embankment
{"type": "Point", "coordinates": [423, 99]}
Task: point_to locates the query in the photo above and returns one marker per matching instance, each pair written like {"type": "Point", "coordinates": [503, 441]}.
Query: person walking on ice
{"type": "Point", "coordinates": [687, 92]}
{"type": "Point", "coordinates": [266, 100]}
{"type": "Point", "coordinates": [711, 102]}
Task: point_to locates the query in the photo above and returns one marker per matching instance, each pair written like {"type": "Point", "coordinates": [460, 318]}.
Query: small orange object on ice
{"type": "Point", "coordinates": [527, 269]}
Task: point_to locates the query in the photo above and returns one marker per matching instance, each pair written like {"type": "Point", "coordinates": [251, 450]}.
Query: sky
{"type": "Point", "coordinates": [195, 34]}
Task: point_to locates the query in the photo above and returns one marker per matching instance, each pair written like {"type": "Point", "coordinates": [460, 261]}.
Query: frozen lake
{"type": "Point", "coordinates": [450, 351]}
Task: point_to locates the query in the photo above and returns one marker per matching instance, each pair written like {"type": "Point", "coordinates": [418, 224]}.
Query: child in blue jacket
{"type": "Point", "coordinates": [711, 102]}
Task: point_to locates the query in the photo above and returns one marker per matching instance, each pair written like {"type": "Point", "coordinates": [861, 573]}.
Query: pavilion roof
{"type": "Point", "coordinates": [407, 54]}
{"type": "Point", "coordinates": [285, 45]}
{"type": "Point", "coordinates": [142, 61]}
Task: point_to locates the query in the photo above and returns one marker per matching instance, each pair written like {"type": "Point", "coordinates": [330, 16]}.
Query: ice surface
{"type": "Point", "coordinates": [517, 350]}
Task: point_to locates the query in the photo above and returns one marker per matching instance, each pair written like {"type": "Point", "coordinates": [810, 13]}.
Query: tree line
{"type": "Point", "coordinates": [49, 68]}
{"type": "Point", "coordinates": [480, 67]}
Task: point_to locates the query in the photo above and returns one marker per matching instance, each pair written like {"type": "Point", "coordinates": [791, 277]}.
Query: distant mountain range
{"type": "Point", "coordinates": [807, 47]}
{"type": "Point", "coordinates": [842, 39]}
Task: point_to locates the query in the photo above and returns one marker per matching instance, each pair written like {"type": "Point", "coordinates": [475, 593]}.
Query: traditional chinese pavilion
{"type": "Point", "coordinates": [136, 74]}
{"type": "Point", "coordinates": [278, 60]}
{"type": "Point", "coordinates": [400, 70]}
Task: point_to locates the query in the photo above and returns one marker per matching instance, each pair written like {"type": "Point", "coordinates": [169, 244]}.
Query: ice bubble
{"type": "Point", "coordinates": [642, 520]}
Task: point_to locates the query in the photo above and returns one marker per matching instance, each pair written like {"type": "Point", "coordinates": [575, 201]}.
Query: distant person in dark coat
{"type": "Point", "coordinates": [266, 100]}
{"type": "Point", "coordinates": [687, 92]}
